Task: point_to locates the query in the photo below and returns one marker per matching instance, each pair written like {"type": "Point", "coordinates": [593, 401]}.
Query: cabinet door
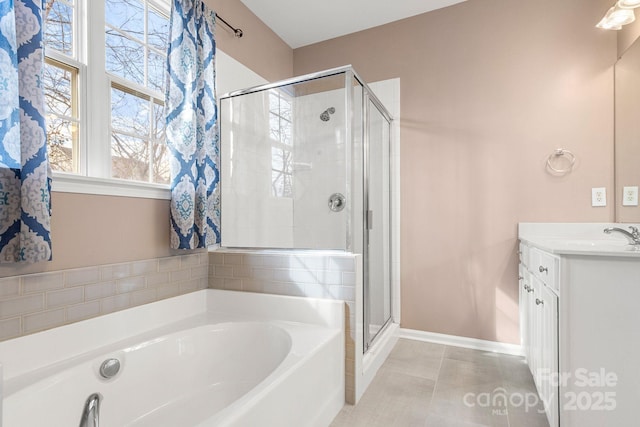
{"type": "Point", "coordinates": [535, 329]}
{"type": "Point", "coordinates": [523, 297]}
{"type": "Point", "coordinates": [548, 389]}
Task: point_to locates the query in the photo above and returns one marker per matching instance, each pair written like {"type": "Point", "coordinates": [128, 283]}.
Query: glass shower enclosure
{"type": "Point", "coordinates": [305, 165]}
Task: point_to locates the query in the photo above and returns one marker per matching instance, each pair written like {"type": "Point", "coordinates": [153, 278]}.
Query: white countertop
{"type": "Point", "coordinates": [578, 239]}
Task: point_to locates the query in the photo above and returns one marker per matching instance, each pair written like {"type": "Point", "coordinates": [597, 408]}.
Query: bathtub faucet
{"type": "Point", "coordinates": [91, 411]}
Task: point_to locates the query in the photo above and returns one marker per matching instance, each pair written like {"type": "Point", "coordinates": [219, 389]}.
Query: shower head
{"type": "Point", "coordinates": [324, 116]}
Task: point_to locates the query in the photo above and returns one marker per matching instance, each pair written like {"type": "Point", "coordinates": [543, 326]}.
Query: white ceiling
{"type": "Point", "coordinates": [303, 22]}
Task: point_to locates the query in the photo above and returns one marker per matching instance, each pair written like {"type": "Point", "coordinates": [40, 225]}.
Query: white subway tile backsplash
{"type": "Point", "coordinates": [199, 272]}
{"type": "Point", "coordinates": [21, 305]}
{"type": "Point", "coordinates": [83, 311]}
{"type": "Point", "coordinates": [9, 287]}
{"type": "Point", "coordinates": [233, 259]}
{"type": "Point", "coordinates": [65, 297]}
{"type": "Point", "coordinates": [189, 260]}
{"type": "Point", "coordinates": [180, 276]}
{"type": "Point", "coordinates": [295, 276]}
{"type": "Point", "coordinates": [349, 279]}
{"type": "Point", "coordinates": [130, 284]}
{"type": "Point", "coordinates": [242, 271]}
{"type": "Point", "coordinates": [167, 292]}
{"type": "Point", "coordinates": [10, 328]}
{"type": "Point", "coordinates": [99, 290]}
{"type": "Point", "coordinates": [143, 297]}
{"type": "Point", "coordinates": [45, 320]}
{"type": "Point", "coordinates": [216, 258]}
{"type": "Point", "coordinates": [169, 264]}
{"type": "Point", "coordinates": [262, 273]}
{"type": "Point", "coordinates": [81, 276]}
{"type": "Point", "coordinates": [216, 283]}
{"type": "Point", "coordinates": [35, 302]}
{"type": "Point", "coordinates": [115, 303]}
{"type": "Point", "coordinates": [275, 261]}
{"type": "Point", "coordinates": [120, 271]}
{"type": "Point", "coordinates": [158, 279]}
{"type": "Point", "coordinates": [189, 286]}
{"type": "Point", "coordinates": [144, 267]}
{"type": "Point", "coordinates": [224, 271]}
{"type": "Point", "coordinates": [342, 264]}
{"type": "Point", "coordinates": [233, 284]}
{"type": "Point", "coordinates": [42, 282]}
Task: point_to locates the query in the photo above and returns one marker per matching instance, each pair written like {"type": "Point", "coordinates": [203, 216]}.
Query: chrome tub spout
{"type": "Point", "coordinates": [91, 411]}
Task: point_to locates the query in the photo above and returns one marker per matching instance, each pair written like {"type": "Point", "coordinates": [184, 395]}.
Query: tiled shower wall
{"type": "Point", "coordinates": [35, 302]}
{"type": "Point", "coordinates": [331, 276]}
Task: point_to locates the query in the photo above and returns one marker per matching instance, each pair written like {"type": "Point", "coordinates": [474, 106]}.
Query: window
{"type": "Point", "coordinates": [107, 59]}
{"type": "Point", "coordinates": [61, 84]}
{"type": "Point", "coordinates": [136, 34]}
{"type": "Point", "coordinates": [281, 129]}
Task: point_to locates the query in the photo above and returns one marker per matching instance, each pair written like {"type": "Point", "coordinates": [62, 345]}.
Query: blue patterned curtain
{"type": "Point", "coordinates": [192, 126]}
{"type": "Point", "coordinates": [25, 178]}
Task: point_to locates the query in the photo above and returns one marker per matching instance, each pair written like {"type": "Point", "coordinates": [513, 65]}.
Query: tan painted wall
{"type": "Point", "coordinates": [628, 34]}
{"type": "Point", "coordinates": [489, 88]}
{"type": "Point", "coordinates": [93, 230]}
{"type": "Point", "coordinates": [259, 49]}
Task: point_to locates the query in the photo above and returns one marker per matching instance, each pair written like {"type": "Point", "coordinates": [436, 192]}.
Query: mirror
{"type": "Point", "coordinates": [627, 134]}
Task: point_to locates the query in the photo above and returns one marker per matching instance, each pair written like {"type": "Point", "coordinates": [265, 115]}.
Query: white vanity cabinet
{"type": "Point", "coordinates": [580, 326]}
{"type": "Point", "coordinates": [539, 323]}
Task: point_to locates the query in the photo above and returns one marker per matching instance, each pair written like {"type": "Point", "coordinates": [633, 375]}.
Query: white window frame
{"type": "Point", "coordinates": [94, 110]}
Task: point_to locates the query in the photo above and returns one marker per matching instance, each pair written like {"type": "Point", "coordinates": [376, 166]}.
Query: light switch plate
{"type": "Point", "coordinates": [630, 196]}
{"type": "Point", "coordinates": [599, 196]}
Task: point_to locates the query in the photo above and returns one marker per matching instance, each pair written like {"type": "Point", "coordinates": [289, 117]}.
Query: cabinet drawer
{"type": "Point", "coordinates": [545, 267]}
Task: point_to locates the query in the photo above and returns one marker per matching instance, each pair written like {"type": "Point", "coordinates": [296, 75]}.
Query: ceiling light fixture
{"type": "Point", "coordinates": [617, 16]}
{"type": "Point", "coordinates": [628, 4]}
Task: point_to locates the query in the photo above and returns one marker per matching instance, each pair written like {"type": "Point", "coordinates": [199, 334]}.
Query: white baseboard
{"type": "Point", "coordinates": [452, 340]}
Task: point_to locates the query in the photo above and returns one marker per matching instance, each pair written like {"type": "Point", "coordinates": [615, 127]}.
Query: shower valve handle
{"type": "Point", "coordinates": [337, 202]}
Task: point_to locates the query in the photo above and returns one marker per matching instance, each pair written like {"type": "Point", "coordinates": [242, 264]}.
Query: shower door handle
{"type": "Point", "coordinates": [369, 220]}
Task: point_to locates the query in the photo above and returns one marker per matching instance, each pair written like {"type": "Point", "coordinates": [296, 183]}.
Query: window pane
{"type": "Point", "coordinates": [274, 102]}
{"type": "Point", "coordinates": [274, 127]}
{"type": "Point", "coordinates": [124, 57]}
{"type": "Point", "coordinates": [285, 110]}
{"type": "Point", "coordinates": [129, 113]}
{"type": "Point", "coordinates": [126, 15]}
{"type": "Point", "coordinates": [158, 30]}
{"type": "Point", "coordinates": [58, 30]}
{"type": "Point", "coordinates": [129, 157]}
{"type": "Point", "coordinates": [281, 184]}
{"type": "Point", "coordinates": [157, 65]}
{"type": "Point", "coordinates": [160, 162]}
{"type": "Point", "coordinates": [277, 159]}
{"type": "Point", "coordinates": [57, 87]}
{"type": "Point", "coordinates": [285, 132]}
{"type": "Point", "coordinates": [61, 135]}
{"type": "Point", "coordinates": [158, 123]}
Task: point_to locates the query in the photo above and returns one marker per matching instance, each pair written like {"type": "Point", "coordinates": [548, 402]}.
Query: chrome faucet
{"type": "Point", "coordinates": [91, 411]}
{"type": "Point", "coordinates": [633, 236]}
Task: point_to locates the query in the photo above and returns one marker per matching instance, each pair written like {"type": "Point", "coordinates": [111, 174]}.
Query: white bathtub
{"type": "Point", "coordinates": [211, 358]}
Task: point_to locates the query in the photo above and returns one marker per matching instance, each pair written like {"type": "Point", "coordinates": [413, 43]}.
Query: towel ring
{"type": "Point", "coordinates": [561, 152]}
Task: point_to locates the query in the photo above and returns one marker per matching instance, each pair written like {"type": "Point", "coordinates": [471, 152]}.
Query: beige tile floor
{"type": "Point", "coordinates": [432, 385]}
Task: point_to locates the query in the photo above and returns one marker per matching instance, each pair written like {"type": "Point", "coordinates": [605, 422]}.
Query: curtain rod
{"type": "Point", "coordinates": [237, 31]}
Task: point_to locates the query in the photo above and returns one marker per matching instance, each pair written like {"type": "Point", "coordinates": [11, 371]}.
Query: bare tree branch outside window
{"type": "Point", "coordinates": [136, 59]}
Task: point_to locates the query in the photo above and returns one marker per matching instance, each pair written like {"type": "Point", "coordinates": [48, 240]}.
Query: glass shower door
{"type": "Point", "coordinates": [377, 295]}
